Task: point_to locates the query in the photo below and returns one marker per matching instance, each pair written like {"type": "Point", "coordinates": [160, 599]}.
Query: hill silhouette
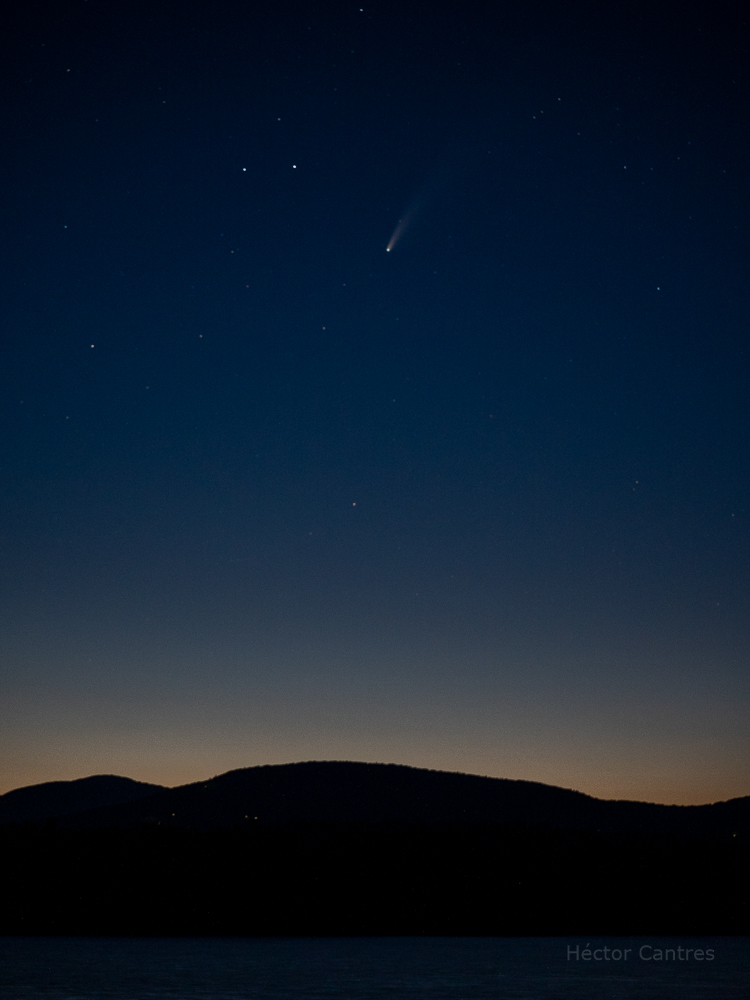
{"type": "Point", "coordinates": [345, 848]}
{"type": "Point", "coordinates": [54, 799]}
{"type": "Point", "coordinates": [355, 792]}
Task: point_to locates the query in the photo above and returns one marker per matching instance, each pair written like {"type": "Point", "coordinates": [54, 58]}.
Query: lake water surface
{"type": "Point", "coordinates": [372, 968]}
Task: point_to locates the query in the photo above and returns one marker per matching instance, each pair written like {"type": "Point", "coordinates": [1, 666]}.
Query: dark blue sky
{"type": "Point", "coordinates": [272, 493]}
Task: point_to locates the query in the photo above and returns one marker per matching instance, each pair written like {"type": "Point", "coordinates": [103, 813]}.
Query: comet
{"type": "Point", "coordinates": [398, 232]}
{"type": "Point", "coordinates": [417, 205]}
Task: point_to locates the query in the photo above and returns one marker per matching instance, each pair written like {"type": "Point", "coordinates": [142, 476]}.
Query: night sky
{"type": "Point", "coordinates": [273, 493]}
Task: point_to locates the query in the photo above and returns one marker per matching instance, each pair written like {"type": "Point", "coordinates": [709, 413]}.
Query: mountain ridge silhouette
{"type": "Point", "coordinates": [349, 848]}
{"type": "Point", "coordinates": [355, 792]}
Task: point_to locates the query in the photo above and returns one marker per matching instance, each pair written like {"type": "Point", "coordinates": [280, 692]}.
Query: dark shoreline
{"type": "Point", "coordinates": [361, 879]}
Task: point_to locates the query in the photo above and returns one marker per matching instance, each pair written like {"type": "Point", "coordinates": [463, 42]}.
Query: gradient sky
{"type": "Point", "coordinates": [271, 493]}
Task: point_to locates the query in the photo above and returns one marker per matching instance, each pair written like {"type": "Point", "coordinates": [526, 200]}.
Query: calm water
{"type": "Point", "coordinates": [364, 968]}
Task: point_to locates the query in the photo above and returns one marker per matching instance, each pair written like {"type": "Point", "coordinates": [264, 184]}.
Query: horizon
{"type": "Point", "coordinates": [376, 385]}
{"type": "Point", "coordinates": [198, 781]}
